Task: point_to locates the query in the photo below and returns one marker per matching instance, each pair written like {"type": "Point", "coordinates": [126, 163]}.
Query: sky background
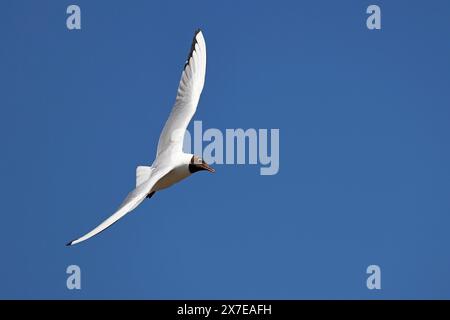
{"type": "Point", "coordinates": [364, 150]}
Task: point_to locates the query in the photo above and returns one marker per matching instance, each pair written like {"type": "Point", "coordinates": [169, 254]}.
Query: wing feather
{"type": "Point", "coordinates": [188, 95]}
{"type": "Point", "coordinates": [133, 199]}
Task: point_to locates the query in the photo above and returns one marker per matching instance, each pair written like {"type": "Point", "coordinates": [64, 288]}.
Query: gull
{"type": "Point", "coordinates": [171, 164]}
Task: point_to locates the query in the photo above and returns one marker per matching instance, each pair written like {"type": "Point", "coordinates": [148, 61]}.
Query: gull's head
{"type": "Point", "coordinates": [198, 164]}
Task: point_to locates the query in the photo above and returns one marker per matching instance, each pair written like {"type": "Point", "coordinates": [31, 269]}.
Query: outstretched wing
{"type": "Point", "coordinates": [133, 199]}
{"type": "Point", "coordinates": [188, 95]}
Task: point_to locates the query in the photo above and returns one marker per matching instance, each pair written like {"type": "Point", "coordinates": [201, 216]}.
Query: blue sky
{"type": "Point", "coordinates": [364, 150]}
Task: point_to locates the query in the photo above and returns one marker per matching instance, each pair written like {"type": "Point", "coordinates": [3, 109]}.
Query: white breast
{"type": "Point", "coordinates": [174, 176]}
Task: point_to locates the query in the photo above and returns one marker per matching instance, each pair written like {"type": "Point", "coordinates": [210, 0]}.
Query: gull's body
{"type": "Point", "coordinates": [171, 164]}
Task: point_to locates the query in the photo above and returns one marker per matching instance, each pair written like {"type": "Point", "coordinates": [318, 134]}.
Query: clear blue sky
{"type": "Point", "coordinates": [364, 119]}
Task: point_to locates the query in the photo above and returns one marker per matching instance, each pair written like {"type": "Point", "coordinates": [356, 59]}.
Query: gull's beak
{"type": "Point", "coordinates": [206, 166]}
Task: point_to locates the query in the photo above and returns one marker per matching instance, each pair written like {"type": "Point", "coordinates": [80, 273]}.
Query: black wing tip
{"type": "Point", "coordinates": [194, 42]}
{"type": "Point", "coordinates": [68, 244]}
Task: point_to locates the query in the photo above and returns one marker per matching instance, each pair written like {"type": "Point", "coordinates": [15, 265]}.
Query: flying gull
{"type": "Point", "coordinates": [171, 164]}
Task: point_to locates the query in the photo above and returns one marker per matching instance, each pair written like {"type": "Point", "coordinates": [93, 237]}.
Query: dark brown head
{"type": "Point", "coordinates": [198, 164]}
